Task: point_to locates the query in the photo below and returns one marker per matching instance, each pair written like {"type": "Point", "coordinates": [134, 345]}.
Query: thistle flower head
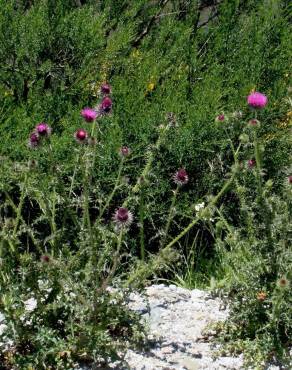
{"type": "Point", "coordinates": [45, 258]}
{"type": "Point", "coordinates": [123, 217]}
{"type": "Point", "coordinates": [283, 283]}
{"type": "Point", "coordinates": [34, 140]}
{"type": "Point", "coordinates": [220, 118]}
{"type": "Point", "coordinates": [181, 177]}
{"type": "Point", "coordinates": [290, 179]}
{"type": "Point", "coordinates": [261, 296]}
{"type": "Point", "coordinates": [106, 104]}
{"type": "Point", "coordinates": [254, 122]}
{"type": "Point", "coordinates": [43, 129]}
{"type": "Point", "coordinates": [171, 118]}
{"type": "Point", "coordinates": [32, 164]}
{"type": "Point", "coordinates": [244, 138]}
{"type": "Point", "coordinates": [125, 151]}
{"type": "Point", "coordinates": [257, 100]}
{"type": "Point", "coordinates": [81, 136]}
{"type": "Point", "coordinates": [105, 89]}
{"type": "Point", "coordinates": [251, 163]}
{"type": "Point", "coordinates": [89, 114]}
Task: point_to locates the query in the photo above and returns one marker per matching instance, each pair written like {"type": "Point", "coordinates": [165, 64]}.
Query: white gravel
{"type": "Point", "coordinates": [177, 319]}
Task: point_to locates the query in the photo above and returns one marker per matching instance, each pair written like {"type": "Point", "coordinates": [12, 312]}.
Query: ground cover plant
{"type": "Point", "coordinates": [170, 174]}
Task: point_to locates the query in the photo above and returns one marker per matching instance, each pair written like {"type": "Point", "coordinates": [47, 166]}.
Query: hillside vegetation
{"type": "Point", "coordinates": [129, 153]}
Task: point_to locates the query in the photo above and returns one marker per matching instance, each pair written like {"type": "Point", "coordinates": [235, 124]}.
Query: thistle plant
{"type": "Point", "coordinates": [67, 243]}
{"type": "Point", "coordinates": [55, 296]}
{"type": "Point", "coordinates": [256, 257]}
{"type": "Point", "coordinates": [60, 192]}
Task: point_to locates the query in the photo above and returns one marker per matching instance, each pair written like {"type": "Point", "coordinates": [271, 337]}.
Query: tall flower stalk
{"type": "Point", "coordinates": [170, 216]}
{"type": "Point", "coordinates": [20, 205]}
{"type": "Point", "coordinates": [151, 156]}
{"type": "Point", "coordinates": [258, 163]}
{"type": "Point", "coordinates": [116, 187]}
{"type": "Point", "coordinates": [77, 159]}
{"type": "Point", "coordinates": [141, 225]}
{"type": "Point", "coordinates": [87, 178]}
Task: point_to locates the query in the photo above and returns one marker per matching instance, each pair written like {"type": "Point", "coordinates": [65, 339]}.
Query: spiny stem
{"type": "Point", "coordinates": [258, 163]}
{"type": "Point", "coordinates": [115, 261]}
{"type": "Point", "coordinates": [262, 204]}
{"type": "Point", "coordinates": [170, 216]}
{"type": "Point", "coordinates": [22, 220]}
{"type": "Point", "coordinates": [141, 228]}
{"type": "Point", "coordinates": [92, 129]}
{"type": "Point", "coordinates": [53, 218]}
{"type": "Point", "coordinates": [74, 173]}
{"type": "Point", "coordinates": [224, 220]}
{"type": "Point", "coordinates": [20, 205]}
{"type": "Point", "coordinates": [116, 186]}
{"type": "Point", "coordinates": [86, 185]}
{"type": "Point", "coordinates": [149, 162]}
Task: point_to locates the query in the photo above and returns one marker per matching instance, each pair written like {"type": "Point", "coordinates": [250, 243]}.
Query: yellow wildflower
{"type": "Point", "coordinates": [151, 86]}
{"type": "Point", "coordinates": [270, 137]}
{"type": "Point", "coordinates": [8, 93]}
{"type": "Point", "coordinates": [135, 53]}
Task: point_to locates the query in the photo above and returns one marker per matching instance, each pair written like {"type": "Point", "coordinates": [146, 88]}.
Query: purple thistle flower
{"type": "Point", "coordinates": [220, 118]}
{"type": "Point", "coordinates": [181, 177]}
{"type": "Point", "coordinates": [290, 179]}
{"type": "Point", "coordinates": [125, 151]}
{"type": "Point", "coordinates": [34, 140]}
{"type": "Point", "coordinates": [105, 89]}
{"type": "Point", "coordinates": [32, 164]}
{"type": "Point", "coordinates": [81, 136]}
{"type": "Point", "coordinates": [254, 122]}
{"type": "Point", "coordinates": [89, 114]}
{"type": "Point", "coordinates": [42, 129]}
{"type": "Point", "coordinates": [106, 104]}
{"type": "Point", "coordinates": [123, 217]}
{"type": "Point", "coordinates": [251, 163]}
{"type": "Point", "coordinates": [45, 258]}
{"type": "Point", "coordinates": [257, 100]}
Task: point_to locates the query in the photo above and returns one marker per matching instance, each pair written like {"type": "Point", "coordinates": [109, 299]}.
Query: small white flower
{"type": "Point", "coordinates": [3, 327]}
{"type": "Point", "coordinates": [199, 206]}
{"type": "Point", "coordinates": [30, 304]}
{"type": "Point", "coordinates": [237, 114]}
